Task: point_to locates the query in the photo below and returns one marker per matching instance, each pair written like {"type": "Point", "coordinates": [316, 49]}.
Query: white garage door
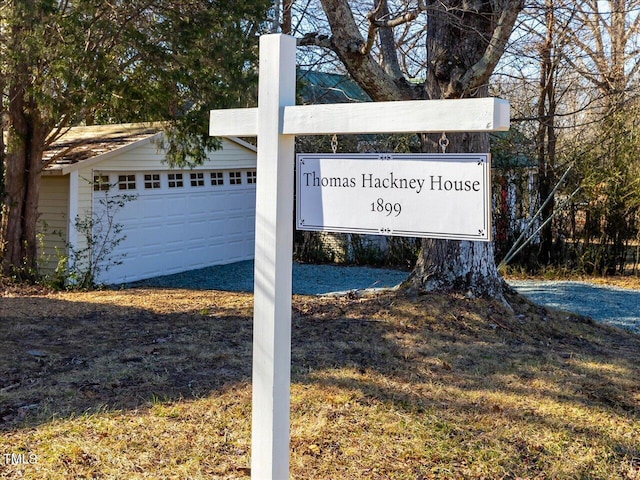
{"type": "Point", "coordinates": [178, 221]}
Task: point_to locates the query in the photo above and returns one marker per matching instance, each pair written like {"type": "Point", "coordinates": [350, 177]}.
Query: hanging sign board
{"type": "Point", "coordinates": [411, 195]}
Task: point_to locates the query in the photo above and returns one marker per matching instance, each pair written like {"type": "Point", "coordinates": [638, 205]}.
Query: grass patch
{"type": "Point", "coordinates": [156, 384]}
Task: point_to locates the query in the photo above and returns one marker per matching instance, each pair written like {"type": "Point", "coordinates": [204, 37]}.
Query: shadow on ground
{"type": "Point", "coordinates": [457, 368]}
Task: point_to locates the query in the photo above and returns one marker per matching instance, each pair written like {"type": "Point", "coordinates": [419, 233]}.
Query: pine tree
{"type": "Point", "coordinates": [69, 62]}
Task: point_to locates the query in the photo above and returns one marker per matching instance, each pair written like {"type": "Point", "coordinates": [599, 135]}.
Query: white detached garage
{"type": "Point", "coordinates": [180, 219]}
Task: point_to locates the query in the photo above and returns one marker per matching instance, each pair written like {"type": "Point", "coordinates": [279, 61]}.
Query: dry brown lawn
{"type": "Point", "coordinates": [155, 384]}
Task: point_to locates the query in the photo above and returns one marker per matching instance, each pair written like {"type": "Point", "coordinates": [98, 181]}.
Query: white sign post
{"type": "Point", "coordinates": [276, 121]}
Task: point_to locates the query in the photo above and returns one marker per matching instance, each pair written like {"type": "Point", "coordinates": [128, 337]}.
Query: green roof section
{"type": "Point", "coordinates": [320, 87]}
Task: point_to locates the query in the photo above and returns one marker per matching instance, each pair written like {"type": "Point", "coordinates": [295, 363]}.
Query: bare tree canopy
{"type": "Point", "coordinates": [461, 44]}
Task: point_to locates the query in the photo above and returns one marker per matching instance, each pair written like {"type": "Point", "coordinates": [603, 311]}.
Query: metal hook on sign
{"type": "Point", "coordinates": [444, 142]}
{"type": "Point", "coordinates": [334, 143]}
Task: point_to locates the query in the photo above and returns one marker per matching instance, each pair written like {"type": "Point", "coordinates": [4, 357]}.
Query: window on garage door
{"type": "Point", "coordinates": [217, 178]}
{"type": "Point", "coordinates": [101, 183]}
{"type": "Point", "coordinates": [197, 179]}
{"type": "Point", "coordinates": [126, 182]}
{"type": "Point", "coordinates": [151, 181]}
{"type": "Point", "coordinates": [175, 180]}
{"type": "Point", "coordinates": [235, 178]}
{"type": "Point", "coordinates": [251, 176]}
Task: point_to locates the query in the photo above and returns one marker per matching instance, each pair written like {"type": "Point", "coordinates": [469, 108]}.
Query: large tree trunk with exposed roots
{"type": "Point", "coordinates": [456, 41]}
{"type": "Point", "coordinates": [465, 40]}
{"type": "Point", "coordinates": [462, 266]}
{"type": "Point", "coordinates": [26, 134]}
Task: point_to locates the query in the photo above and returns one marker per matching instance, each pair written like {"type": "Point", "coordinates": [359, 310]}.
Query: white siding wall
{"type": "Point", "coordinates": [149, 157]}
{"type": "Point", "coordinates": [85, 193]}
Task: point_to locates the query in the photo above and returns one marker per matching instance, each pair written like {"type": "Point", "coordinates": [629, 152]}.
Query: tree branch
{"type": "Point", "coordinates": [375, 23]}
{"type": "Point", "coordinates": [399, 20]}
{"type": "Point", "coordinates": [315, 39]}
{"type": "Point", "coordinates": [371, 33]}
{"type": "Point", "coordinates": [479, 73]}
{"type": "Point", "coordinates": [388, 47]}
{"type": "Point", "coordinates": [347, 43]}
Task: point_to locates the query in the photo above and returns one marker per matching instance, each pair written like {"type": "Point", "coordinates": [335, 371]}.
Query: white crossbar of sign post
{"type": "Point", "coordinates": [275, 122]}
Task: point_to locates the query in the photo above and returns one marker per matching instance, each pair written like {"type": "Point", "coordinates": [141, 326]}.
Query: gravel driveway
{"type": "Point", "coordinates": [615, 306]}
{"type": "Point", "coordinates": [307, 279]}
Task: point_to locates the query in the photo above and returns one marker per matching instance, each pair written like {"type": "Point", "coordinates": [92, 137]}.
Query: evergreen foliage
{"type": "Point", "coordinates": [72, 62]}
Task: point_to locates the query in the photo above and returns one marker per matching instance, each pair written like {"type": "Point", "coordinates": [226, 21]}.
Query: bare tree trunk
{"type": "Point", "coordinates": [456, 40]}
{"type": "Point", "coordinates": [23, 156]}
{"type": "Point", "coordinates": [465, 40]}
{"type": "Point", "coordinates": [350, 47]}
{"type": "Point", "coordinates": [286, 16]}
{"type": "Point", "coordinates": [2, 152]}
{"type": "Point", "coordinates": [11, 227]}
{"type": "Point", "coordinates": [462, 266]}
{"type": "Point", "coordinates": [546, 135]}
{"type": "Point", "coordinates": [15, 184]}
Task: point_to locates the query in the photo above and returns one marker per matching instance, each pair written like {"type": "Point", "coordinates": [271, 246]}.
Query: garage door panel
{"type": "Point", "coordinates": [216, 226]}
{"type": "Point", "coordinates": [250, 225]}
{"type": "Point", "coordinates": [153, 236]}
{"type": "Point", "coordinates": [174, 206]}
{"type": "Point", "coordinates": [235, 249]}
{"type": "Point", "coordinates": [216, 251]}
{"type": "Point", "coordinates": [194, 222]}
{"type": "Point", "coordinates": [153, 207]}
{"type": "Point", "coordinates": [235, 226]}
{"type": "Point", "coordinates": [174, 249]}
{"type": "Point", "coordinates": [146, 262]}
{"type": "Point", "coordinates": [173, 230]}
{"type": "Point", "coordinates": [130, 240]}
{"type": "Point", "coordinates": [201, 205]}
{"type": "Point", "coordinates": [237, 202]}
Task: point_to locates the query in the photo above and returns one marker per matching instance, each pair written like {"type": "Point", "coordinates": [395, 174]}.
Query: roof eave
{"type": "Point", "coordinates": [57, 170]}
{"type": "Point", "coordinates": [67, 169]}
{"type": "Point", "coordinates": [242, 143]}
